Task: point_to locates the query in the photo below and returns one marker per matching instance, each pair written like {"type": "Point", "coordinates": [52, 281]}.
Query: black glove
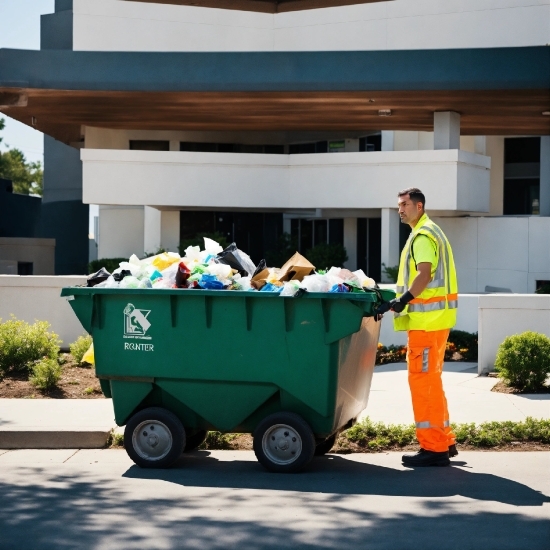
{"type": "Point", "coordinates": [398, 305]}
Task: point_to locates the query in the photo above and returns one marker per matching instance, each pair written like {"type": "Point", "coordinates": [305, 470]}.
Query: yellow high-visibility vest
{"type": "Point", "coordinates": [435, 308]}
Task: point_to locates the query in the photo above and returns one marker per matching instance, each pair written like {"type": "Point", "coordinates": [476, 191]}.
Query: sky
{"type": "Point", "coordinates": [20, 30]}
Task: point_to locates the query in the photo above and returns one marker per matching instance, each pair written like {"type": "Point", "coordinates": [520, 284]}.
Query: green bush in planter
{"type": "Point", "coordinates": [45, 374]}
{"type": "Point", "coordinates": [523, 361]}
{"type": "Point", "coordinates": [22, 343]}
{"type": "Point", "coordinates": [80, 346]}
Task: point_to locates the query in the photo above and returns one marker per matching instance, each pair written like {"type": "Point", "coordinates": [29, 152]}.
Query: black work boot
{"type": "Point", "coordinates": [452, 451]}
{"type": "Point", "coordinates": [427, 458]}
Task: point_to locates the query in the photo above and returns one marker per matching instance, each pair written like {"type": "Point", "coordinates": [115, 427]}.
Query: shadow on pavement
{"type": "Point", "coordinates": [335, 474]}
{"type": "Point", "coordinates": [192, 508]}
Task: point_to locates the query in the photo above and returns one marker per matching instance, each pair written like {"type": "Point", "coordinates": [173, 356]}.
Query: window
{"type": "Point", "coordinates": [304, 148]}
{"type": "Point", "coordinates": [25, 268]}
{"type": "Point", "coordinates": [149, 145]}
{"type": "Point", "coordinates": [521, 176]}
{"type": "Point", "coordinates": [371, 143]}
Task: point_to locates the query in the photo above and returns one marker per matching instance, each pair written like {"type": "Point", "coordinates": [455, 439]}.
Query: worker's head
{"type": "Point", "coordinates": [411, 204]}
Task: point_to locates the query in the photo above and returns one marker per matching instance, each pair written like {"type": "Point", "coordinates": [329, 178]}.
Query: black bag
{"type": "Point", "coordinates": [97, 277]}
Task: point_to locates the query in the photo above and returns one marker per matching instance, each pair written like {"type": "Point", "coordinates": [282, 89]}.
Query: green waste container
{"type": "Point", "coordinates": [294, 372]}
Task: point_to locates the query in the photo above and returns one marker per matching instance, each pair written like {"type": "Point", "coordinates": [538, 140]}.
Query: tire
{"type": "Point", "coordinates": [284, 443]}
{"type": "Point", "coordinates": [325, 446]}
{"type": "Point", "coordinates": [194, 441]}
{"type": "Point", "coordinates": [154, 438]}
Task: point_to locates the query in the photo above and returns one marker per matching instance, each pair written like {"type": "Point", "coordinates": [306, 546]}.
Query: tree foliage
{"type": "Point", "coordinates": [27, 177]}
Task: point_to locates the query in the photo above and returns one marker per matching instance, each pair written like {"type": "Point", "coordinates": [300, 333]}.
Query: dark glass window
{"type": "Point", "coordinates": [521, 176]}
{"type": "Point", "coordinates": [521, 150]}
{"type": "Point", "coordinates": [305, 148]}
{"type": "Point", "coordinates": [25, 268]}
{"type": "Point", "coordinates": [371, 143]}
{"type": "Point", "coordinates": [149, 145]}
{"type": "Point", "coordinates": [521, 196]}
{"type": "Point", "coordinates": [369, 246]}
{"type": "Point", "coordinates": [198, 147]}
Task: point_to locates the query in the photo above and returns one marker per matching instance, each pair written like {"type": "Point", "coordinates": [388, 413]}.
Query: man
{"type": "Point", "coordinates": [425, 307]}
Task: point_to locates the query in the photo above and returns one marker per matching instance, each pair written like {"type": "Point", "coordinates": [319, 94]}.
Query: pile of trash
{"type": "Point", "coordinates": [215, 268]}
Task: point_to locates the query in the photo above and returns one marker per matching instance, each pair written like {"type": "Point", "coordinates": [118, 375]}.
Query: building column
{"type": "Point", "coordinates": [544, 198]}
{"type": "Point", "coordinates": [387, 140]}
{"type": "Point", "coordinates": [120, 231]}
{"type": "Point", "coordinates": [446, 130]}
{"type": "Point", "coordinates": [390, 239]}
{"type": "Point", "coordinates": [161, 229]}
{"type": "Point", "coordinates": [350, 242]}
{"type": "Point", "coordinates": [170, 230]}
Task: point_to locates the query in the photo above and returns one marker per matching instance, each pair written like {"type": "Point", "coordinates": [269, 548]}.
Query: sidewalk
{"type": "Point", "coordinates": [55, 423]}
{"type": "Point", "coordinates": [469, 397]}
{"type": "Point", "coordinates": [86, 423]}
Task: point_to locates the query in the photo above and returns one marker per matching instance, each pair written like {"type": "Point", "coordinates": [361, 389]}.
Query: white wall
{"type": "Point", "coordinates": [509, 252]}
{"type": "Point", "coordinates": [32, 298]}
{"type": "Point", "coordinates": [225, 180]}
{"type": "Point", "coordinates": [502, 315]}
{"type": "Point", "coordinates": [113, 25]}
{"type": "Point", "coordinates": [121, 231]}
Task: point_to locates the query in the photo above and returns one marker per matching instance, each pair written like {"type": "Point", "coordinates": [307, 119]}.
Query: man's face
{"type": "Point", "coordinates": [408, 211]}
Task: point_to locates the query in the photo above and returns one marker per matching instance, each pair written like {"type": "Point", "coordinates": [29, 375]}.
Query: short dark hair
{"type": "Point", "coordinates": [415, 195]}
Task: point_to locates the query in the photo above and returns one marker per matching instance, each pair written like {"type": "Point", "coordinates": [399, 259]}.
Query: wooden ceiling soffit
{"type": "Point", "coordinates": [264, 6]}
{"type": "Point", "coordinates": [61, 114]}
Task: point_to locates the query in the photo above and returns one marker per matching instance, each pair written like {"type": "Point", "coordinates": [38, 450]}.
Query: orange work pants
{"type": "Point", "coordinates": [425, 356]}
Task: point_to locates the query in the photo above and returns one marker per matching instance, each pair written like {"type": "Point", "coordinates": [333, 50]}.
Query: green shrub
{"type": "Point", "coordinates": [285, 246]}
{"type": "Point", "coordinates": [110, 264]}
{"type": "Point", "coordinates": [45, 373]}
{"type": "Point", "coordinates": [391, 272]}
{"type": "Point", "coordinates": [464, 343]}
{"type": "Point", "coordinates": [218, 441]}
{"type": "Point", "coordinates": [324, 255]}
{"type": "Point", "coordinates": [198, 240]}
{"type": "Point", "coordinates": [493, 434]}
{"type": "Point", "coordinates": [377, 435]}
{"type": "Point", "coordinates": [22, 343]}
{"type": "Point", "coordinates": [523, 361]}
{"type": "Point", "coordinates": [80, 347]}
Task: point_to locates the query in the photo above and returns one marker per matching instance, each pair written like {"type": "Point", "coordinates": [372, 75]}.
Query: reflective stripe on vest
{"type": "Point", "coordinates": [433, 304]}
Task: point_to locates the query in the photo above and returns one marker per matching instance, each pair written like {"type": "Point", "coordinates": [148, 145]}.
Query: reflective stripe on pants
{"type": "Point", "coordinates": [425, 356]}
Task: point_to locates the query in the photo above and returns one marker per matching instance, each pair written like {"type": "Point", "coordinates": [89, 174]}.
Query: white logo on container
{"type": "Point", "coordinates": [136, 324]}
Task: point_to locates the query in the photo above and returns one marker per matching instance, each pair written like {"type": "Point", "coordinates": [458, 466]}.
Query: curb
{"type": "Point", "coordinates": [77, 439]}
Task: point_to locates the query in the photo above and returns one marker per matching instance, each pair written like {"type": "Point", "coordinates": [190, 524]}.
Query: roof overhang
{"type": "Point", "coordinates": [265, 6]}
{"type": "Point", "coordinates": [496, 91]}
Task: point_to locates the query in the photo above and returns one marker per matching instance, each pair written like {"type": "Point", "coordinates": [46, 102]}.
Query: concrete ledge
{"type": "Point", "coordinates": [81, 439]}
{"type": "Point", "coordinates": [32, 298]}
{"type": "Point", "coordinates": [502, 315]}
{"type": "Point", "coordinates": [55, 423]}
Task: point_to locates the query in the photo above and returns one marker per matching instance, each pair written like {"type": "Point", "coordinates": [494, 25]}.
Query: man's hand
{"type": "Point", "coordinates": [397, 305]}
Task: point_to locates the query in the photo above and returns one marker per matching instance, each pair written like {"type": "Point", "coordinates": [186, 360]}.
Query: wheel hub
{"type": "Point", "coordinates": [152, 440]}
{"type": "Point", "coordinates": [282, 444]}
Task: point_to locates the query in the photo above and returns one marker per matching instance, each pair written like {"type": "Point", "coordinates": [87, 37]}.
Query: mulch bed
{"type": "Point", "coordinates": [501, 387]}
{"type": "Point", "coordinates": [77, 382]}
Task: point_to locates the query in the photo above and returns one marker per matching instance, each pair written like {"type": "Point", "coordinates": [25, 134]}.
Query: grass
{"type": "Point", "coordinates": [369, 436]}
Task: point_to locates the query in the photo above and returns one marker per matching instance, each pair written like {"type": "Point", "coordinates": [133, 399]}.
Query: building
{"type": "Point", "coordinates": [255, 117]}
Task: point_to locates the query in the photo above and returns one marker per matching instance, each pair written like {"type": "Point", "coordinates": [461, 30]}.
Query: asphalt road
{"type": "Point", "coordinates": [98, 499]}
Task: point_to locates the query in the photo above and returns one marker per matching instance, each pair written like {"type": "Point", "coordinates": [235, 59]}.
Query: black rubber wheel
{"type": "Point", "coordinates": [194, 441]}
{"type": "Point", "coordinates": [284, 443]}
{"type": "Point", "coordinates": [325, 446]}
{"type": "Point", "coordinates": [154, 438]}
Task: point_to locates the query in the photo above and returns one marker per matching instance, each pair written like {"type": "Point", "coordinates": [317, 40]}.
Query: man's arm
{"type": "Point", "coordinates": [423, 277]}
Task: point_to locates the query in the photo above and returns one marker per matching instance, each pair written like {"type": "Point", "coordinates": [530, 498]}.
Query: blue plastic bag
{"type": "Point", "coordinates": [210, 282]}
{"type": "Point", "coordinates": [270, 287]}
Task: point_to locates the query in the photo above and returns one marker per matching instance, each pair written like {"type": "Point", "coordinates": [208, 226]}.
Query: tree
{"type": "Point", "coordinates": [27, 177]}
